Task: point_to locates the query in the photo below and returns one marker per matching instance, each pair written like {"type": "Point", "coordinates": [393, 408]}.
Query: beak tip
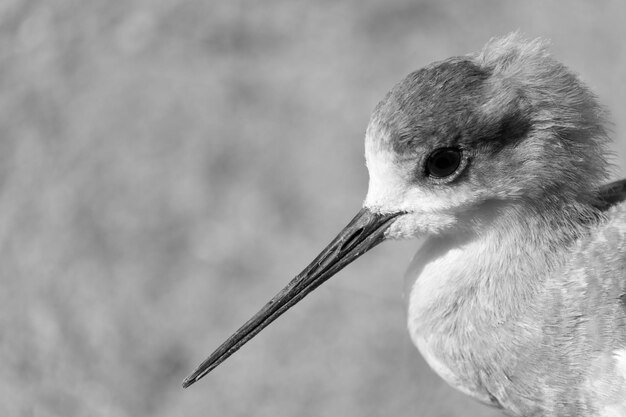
{"type": "Point", "coordinates": [188, 382]}
{"type": "Point", "coordinates": [192, 379]}
{"type": "Point", "coordinates": [198, 374]}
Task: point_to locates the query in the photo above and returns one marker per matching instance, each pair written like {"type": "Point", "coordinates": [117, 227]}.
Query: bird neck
{"type": "Point", "coordinates": [490, 274]}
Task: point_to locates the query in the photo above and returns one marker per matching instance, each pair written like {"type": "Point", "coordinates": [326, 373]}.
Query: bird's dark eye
{"type": "Point", "coordinates": [443, 162]}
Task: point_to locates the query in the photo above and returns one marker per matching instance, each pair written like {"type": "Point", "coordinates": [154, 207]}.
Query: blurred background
{"type": "Point", "coordinates": [166, 166]}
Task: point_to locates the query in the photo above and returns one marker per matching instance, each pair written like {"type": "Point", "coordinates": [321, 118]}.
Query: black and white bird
{"type": "Point", "coordinates": [518, 295]}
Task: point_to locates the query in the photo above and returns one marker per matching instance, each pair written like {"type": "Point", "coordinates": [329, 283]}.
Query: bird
{"type": "Point", "coordinates": [499, 161]}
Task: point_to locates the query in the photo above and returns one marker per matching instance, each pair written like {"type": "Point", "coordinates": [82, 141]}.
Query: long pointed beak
{"type": "Point", "coordinates": [365, 231]}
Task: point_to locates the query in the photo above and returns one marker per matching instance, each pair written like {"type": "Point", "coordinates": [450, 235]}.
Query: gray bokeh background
{"type": "Point", "coordinates": [166, 166]}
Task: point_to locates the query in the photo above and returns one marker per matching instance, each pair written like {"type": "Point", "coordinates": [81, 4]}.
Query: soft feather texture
{"type": "Point", "coordinates": [529, 127]}
{"type": "Point", "coordinates": [566, 147]}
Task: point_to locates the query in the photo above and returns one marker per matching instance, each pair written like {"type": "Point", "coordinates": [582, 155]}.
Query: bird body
{"type": "Point", "coordinates": [518, 295]}
{"type": "Point", "coordinates": [551, 338]}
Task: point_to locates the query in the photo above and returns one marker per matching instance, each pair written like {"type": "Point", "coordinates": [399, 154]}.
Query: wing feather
{"type": "Point", "coordinates": [611, 194]}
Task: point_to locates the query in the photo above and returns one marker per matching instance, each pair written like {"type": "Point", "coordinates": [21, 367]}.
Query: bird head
{"type": "Point", "coordinates": [506, 126]}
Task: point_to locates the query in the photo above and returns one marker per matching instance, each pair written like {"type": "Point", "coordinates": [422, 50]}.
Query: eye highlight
{"type": "Point", "coordinates": [443, 162]}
